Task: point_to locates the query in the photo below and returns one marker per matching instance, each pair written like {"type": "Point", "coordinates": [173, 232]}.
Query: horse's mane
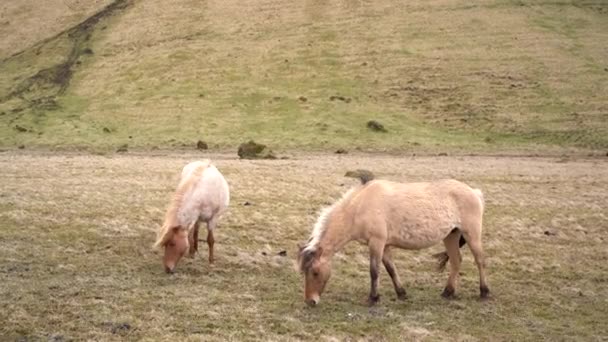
{"type": "Point", "coordinates": [307, 253]}
{"type": "Point", "coordinates": [171, 220]}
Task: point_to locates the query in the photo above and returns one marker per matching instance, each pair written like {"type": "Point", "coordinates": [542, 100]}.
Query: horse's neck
{"type": "Point", "coordinates": [336, 235]}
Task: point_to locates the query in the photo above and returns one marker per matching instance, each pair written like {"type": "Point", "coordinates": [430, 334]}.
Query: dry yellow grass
{"type": "Point", "coordinates": [76, 259]}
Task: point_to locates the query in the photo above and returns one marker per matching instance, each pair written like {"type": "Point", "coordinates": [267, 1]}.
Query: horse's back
{"type": "Point", "coordinates": [439, 190]}
{"type": "Point", "coordinates": [214, 189]}
{"type": "Point", "coordinates": [415, 215]}
{"type": "Point", "coordinates": [210, 194]}
{"type": "Point", "coordinates": [193, 166]}
{"type": "Point", "coordinates": [418, 190]}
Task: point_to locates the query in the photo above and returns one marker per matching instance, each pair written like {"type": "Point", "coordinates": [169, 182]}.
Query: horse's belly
{"type": "Point", "coordinates": [418, 236]}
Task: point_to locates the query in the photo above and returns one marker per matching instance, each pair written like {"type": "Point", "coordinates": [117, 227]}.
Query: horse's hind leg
{"type": "Point", "coordinates": [210, 240]}
{"type": "Point", "coordinates": [387, 260]}
{"type": "Point", "coordinates": [474, 241]}
{"type": "Point", "coordinates": [453, 251]}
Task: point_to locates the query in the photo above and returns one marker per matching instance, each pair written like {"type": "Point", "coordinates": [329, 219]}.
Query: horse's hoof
{"type": "Point", "coordinates": [448, 293]}
{"type": "Point", "coordinates": [372, 300]}
{"type": "Point", "coordinates": [485, 297]}
{"type": "Point", "coordinates": [401, 295]}
{"type": "Point", "coordinates": [484, 293]}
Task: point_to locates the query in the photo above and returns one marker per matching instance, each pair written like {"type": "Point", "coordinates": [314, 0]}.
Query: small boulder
{"type": "Point", "coordinates": [341, 151]}
{"type": "Point", "coordinates": [364, 175]}
{"type": "Point", "coordinates": [201, 145]}
{"type": "Point", "coordinates": [376, 126]}
{"type": "Point", "coordinates": [253, 150]}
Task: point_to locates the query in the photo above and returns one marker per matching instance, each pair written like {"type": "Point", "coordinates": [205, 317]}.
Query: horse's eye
{"type": "Point", "coordinates": [171, 244]}
{"type": "Point", "coordinates": [315, 274]}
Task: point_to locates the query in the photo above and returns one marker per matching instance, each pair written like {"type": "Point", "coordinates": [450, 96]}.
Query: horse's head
{"type": "Point", "coordinates": [176, 244]}
{"type": "Point", "coordinates": [317, 271]}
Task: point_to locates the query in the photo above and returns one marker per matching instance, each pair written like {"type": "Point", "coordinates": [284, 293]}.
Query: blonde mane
{"type": "Point", "coordinates": [171, 220]}
{"type": "Point", "coordinates": [321, 224]}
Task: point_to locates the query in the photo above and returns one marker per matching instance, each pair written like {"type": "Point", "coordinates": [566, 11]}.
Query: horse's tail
{"type": "Point", "coordinates": [480, 196]}
{"type": "Point", "coordinates": [442, 258]}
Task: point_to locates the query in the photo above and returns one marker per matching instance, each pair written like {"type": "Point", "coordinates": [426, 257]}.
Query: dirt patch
{"type": "Point", "coordinates": [117, 328]}
{"type": "Point", "coordinates": [20, 129]}
{"type": "Point", "coordinates": [376, 126]}
{"type": "Point", "coordinates": [340, 98]}
{"type": "Point", "coordinates": [41, 89]}
{"type": "Point", "coordinates": [122, 148]}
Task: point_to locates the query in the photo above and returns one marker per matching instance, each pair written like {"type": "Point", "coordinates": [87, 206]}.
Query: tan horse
{"type": "Point", "coordinates": [386, 214]}
{"type": "Point", "coordinates": [201, 196]}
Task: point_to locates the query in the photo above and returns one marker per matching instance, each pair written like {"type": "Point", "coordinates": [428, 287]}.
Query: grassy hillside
{"type": "Point", "coordinates": [493, 75]}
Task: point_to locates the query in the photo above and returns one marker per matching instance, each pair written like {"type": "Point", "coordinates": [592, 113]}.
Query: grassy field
{"type": "Point", "coordinates": [76, 261]}
{"type": "Point", "coordinates": [446, 74]}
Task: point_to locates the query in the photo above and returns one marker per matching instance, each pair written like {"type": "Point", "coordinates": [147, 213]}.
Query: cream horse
{"type": "Point", "coordinates": [386, 214]}
{"type": "Point", "coordinates": [201, 196]}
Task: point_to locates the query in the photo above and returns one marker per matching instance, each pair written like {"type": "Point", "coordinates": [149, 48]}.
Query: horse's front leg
{"type": "Point", "coordinates": [376, 249]}
{"type": "Point", "coordinates": [194, 240]}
